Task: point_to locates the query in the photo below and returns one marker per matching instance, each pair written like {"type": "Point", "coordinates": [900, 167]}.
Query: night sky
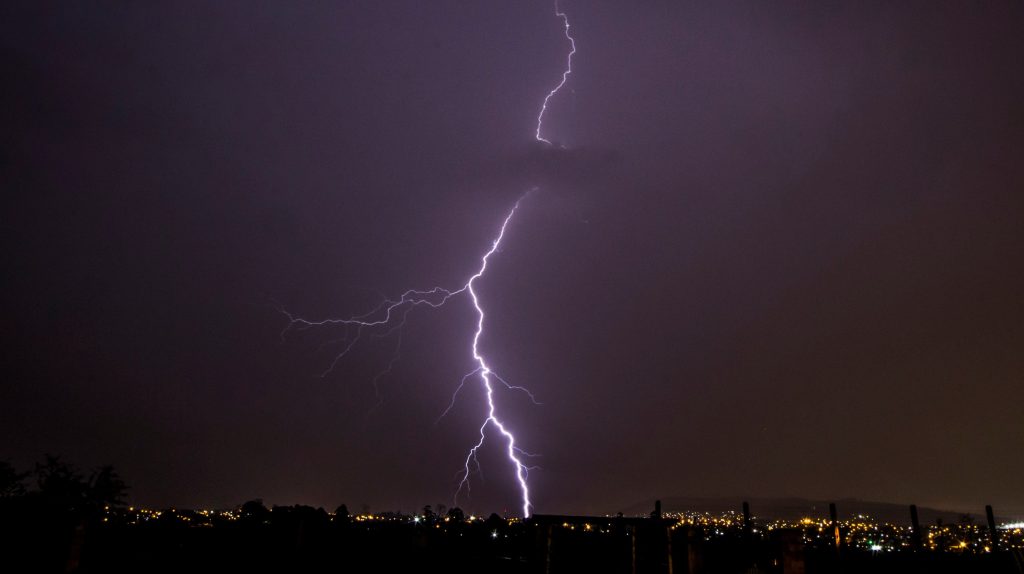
{"type": "Point", "coordinates": [780, 254]}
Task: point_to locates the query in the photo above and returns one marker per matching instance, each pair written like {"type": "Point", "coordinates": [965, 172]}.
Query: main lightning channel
{"type": "Point", "coordinates": [392, 313]}
{"type": "Point", "coordinates": [565, 75]}
{"type": "Point", "coordinates": [484, 370]}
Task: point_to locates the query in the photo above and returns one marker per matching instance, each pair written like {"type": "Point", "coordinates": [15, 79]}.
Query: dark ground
{"type": "Point", "coordinates": [303, 539]}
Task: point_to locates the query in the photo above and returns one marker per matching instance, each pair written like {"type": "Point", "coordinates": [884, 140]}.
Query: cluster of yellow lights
{"type": "Point", "coordinates": [864, 532]}
{"type": "Point", "coordinates": [859, 531]}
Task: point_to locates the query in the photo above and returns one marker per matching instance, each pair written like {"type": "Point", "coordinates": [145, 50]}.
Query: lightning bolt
{"type": "Point", "coordinates": [565, 74]}
{"type": "Point", "coordinates": [391, 315]}
{"type": "Point", "coordinates": [484, 370]}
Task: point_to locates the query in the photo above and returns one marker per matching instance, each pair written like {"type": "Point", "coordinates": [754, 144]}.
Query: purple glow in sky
{"type": "Point", "coordinates": [386, 313]}
{"type": "Point", "coordinates": [782, 231]}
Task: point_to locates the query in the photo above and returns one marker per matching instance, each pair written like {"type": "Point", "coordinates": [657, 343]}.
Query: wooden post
{"type": "Point", "coordinates": [547, 551]}
{"type": "Point", "coordinates": [915, 528]}
{"type": "Point", "coordinates": [694, 562]}
{"type": "Point", "coordinates": [793, 551]}
{"type": "Point", "coordinates": [748, 537]}
{"type": "Point", "coordinates": [992, 532]}
{"type": "Point", "coordinates": [75, 551]}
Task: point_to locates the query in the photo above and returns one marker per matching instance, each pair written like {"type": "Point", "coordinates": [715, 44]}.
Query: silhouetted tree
{"type": "Point", "coordinates": [106, 489]}
{"type": "Point", "coordinates": [253, 512]}
{"type": "Point", "coordinates": [428, 514]}
{"type": "Point", "coordinates": [61, 486]}
{"type": "Point", "coordinates": [341, 517]}
{"type": "Point", "coordinates": [494, 521]}
{"type": "Point", "coordinates": [455, 514]}
{"type": "Point", "coordinates": [12, 483]}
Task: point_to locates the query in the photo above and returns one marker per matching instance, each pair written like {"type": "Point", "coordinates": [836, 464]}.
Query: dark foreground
{"type": "Point", "coordinates": [303, 539]}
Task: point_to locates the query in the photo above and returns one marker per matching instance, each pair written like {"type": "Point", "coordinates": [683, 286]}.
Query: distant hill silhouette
{"type": "Point", "coordinates": [796, 508]}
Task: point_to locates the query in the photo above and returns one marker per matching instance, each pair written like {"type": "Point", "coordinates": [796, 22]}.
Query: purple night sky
{"type": "Point", "coordinates": [780, 254]}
